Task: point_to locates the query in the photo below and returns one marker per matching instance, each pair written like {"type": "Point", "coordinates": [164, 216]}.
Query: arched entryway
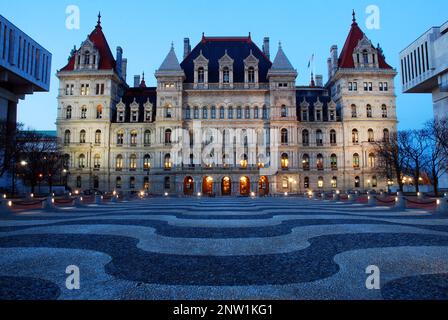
{"type": "Point", "coordinates": [188, 186]}
{"type": "Point", "coordinates": [244, 186]}
{"type": "Point", "coordinates": [226, 186]}
{"type": "Point", "coordinates": [207, 186]}
{"type": "Point", "coordinates": [263, 186]}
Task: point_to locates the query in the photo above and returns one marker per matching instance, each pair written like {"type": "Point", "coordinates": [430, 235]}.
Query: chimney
{"type": "Point", "coordinates": [266, 47]}
{"type": "Point", "coordinates": [329, 68]}
{"type": "Point", "coordinates": [136, 81]}
{"type": "Point", "coordinates": [119, 60]}
{"type": "Point", "coordinates": [334, 59]}
{"type": "Point", "coordinates": [187, 47]}
{"type": "Point", "coordinates": [319, 80]}
{"type": "Point", "coordinates": [124, 69]}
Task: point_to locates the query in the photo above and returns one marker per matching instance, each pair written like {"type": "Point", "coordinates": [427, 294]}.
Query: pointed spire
{"type": "Point", "coordinates": [170, 66]}
{"type": "Point", "coordinates": [99, 19]}
{"type": "Point", "coordinates": [312, 83]}
{"type": "Point", "coordinates": [281, 64]}
{"type": "Point", "coordinates": [354, 16]}
{"type": "Point", "coordinates": [143, 82]}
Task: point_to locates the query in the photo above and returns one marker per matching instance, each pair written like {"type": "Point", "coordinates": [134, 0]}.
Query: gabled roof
{"type": "Point", "coordinates": [97, 37]}
{"type": "Point", "coordinates": [355, 35]}
{"type": "Point", "coordinates": [238, 48]}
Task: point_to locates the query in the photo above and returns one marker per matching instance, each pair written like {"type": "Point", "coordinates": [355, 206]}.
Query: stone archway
{"type": "Point", "coordinates": [207, 186]}
{"type": "Point", "coordinates": [226, 186]}
{"type": "Point", "coordinates": [263, 186]}
{"type": "Point", "coordinates": [188, 186]}
{"type": "Point", "coordinates": [244, 186]}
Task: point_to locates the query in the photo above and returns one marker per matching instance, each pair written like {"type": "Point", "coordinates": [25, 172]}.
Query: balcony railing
{"type": "Point", "coordinates": [226, 86]}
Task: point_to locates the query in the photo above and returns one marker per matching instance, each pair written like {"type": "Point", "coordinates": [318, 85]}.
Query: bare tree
{"type": "Point", "coordinates": [391, 158]}
{"type": "Point", "coordinates": [9, 146]}
{"type": "Point", "coordinates": [436, 156]}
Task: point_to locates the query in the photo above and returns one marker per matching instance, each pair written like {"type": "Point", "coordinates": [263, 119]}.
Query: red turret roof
{"type": "Point", "coordinates": [346, 57]}
{"type": "Point", "coordinates": [107, 60]}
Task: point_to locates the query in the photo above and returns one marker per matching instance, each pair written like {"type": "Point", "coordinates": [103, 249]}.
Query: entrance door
{"type": "Point", "coordinates": [188, 186]}
{"type": "Point", "coordinates": [226, 186]}
{"type": "Point", "coordinates": [207, 186]}
{"type": "Point", "coordinates": [244, 186]}
{"type": "Point", "coordinates": [263, 186]}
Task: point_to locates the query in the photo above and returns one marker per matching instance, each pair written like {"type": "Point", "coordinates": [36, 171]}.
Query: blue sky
{"type": "Point", "coordinates": [145, 30]}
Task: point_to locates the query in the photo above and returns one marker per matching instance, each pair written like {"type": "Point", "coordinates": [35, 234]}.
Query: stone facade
{"type": "Point", "coordinates": [225, 121]}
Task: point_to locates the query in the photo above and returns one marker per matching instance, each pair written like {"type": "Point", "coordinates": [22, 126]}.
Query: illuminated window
{"type": "Point", "coordinates": [119, 163]}
{"type": "Point", "coordinates": [320, 162]}
{"type": "Point", "coordinates": [356, 161]}
{"type": "Point", "coordinates": [320, 182]}
{"type": "Point", "coordinates": [147, 162]}
{"type": "Point", "coordinates": [168, 165]}
{"type": "Point", "coordinates": [355, 136]}
{"type": "Point", "coordinates": [306, 162]}
{"type": "Point", "coordinates": [285, 161]}
{"type": "Point", "coordinates": [133, 162]}
{"type": "Point", "coordinates": [82, 161]}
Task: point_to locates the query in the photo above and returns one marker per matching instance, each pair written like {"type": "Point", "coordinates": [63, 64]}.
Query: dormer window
{"type": "Point", "coordinates": [226, 75]}
{"type": "Point", "coordinates": [251, 75]}
{"type": "Point", "coordinates": [134, 115]}
{"type": "Point", "coordinates": [87, 58]}
{"type": "Point", "coordinates": [201, 75]}
{"type": "Point", "coordinates": [365, 57]}
{"type": "Point", "coordinates": [120, 112]}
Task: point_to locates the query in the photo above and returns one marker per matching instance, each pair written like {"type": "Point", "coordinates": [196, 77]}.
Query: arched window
{"type": "Point", "coordinates": [369, 111]}
{"type": "Point", "coordinates": [66, 161]}
{"type": "Point", "coordinates": [167, 183]}
{"type": "Point", "coordinates": [168, 133]}
{"type": "Point", "coordinates": [384, 111]}
{"type": "Point", "coordinates": [201, 75]}
{"type": "Point", "coordinates": [222, 113]}
{"type": "Point", "coordinates": [147, 162]}
{"type": "Point", "coordinates": [355, 136]}
{"type": "Point", "coordinates": [354, 111]}
{"type": "Point", "coordinates": [251, 75]}
{"type": "Point", "coordinates": [226, 75]}
{"type": "Point", "coordinates": [133, 162]}
{"type": "Point", "coordinates": [320, 182]}
{"type": "Point", "coordinates": [319, 138]}
{"type": "Point", "coordinates": [134, 135]}
{"type": "Point", "coordinates": [87, 58]}
{"type": "Point", "coordinates": [244, 162]}
{"type": "Point", "coordinates": [99, 111]}
{"type": "Point", "coordinates": [167, 164]}
{"type": "Point", "coordinates": [305, 138]}
{"type": "Point", "coordinates": [285, 161]}
{"type": "Point", "coordinates": [118, 183]}
{"type": "Point", "coordinates": [83, 112]}
{"type": "Point", "coordinates": [306, 183]}
{"type": "Point", "coordinates": [334, 182]}
{"type": "Point", "coordinates": [284, 136]}
{"type": "Point", "coordinates": [67, 137]}
{"type": "Point", "coordinates": [82, 136]}
{"type": "Point", "coordinates": [365, 57]}
{"type": "Point", "coordinates": [97, 161]}
{"type": "Point", "coordinates": [213, 112]}
{"type": "Point", "coordinates": [97, 136]}
{"type": "Point", "coordinates": [256, 113]}
{"type": "Point", "coordinates": [204, 113]}
{"type": "Point", "coordinates": [147, 138]}
{"type": "Point", "coordinates": [119, 163]}
{"type": "Point", "coordinates": [196, 112]}
{"type": "Point", "coordinates": [357, 182]}
{"type": "Point", "coordinates": [306, 162]}
{"type": "Point", "coordinates": [120, 137]}
{"type": "Point", "coordinates": [230, 113]}
{"type": "Point", "coordinates": [168, 111]}
{"type": "Point", "coordinates": [284, 111]}
{"type": "Point", "coordinates": [334, 162]}
{"type": "Point", "coordinates": [386, 135]}
{"type": "Point", "coordinates": [239, 113]}
{"type": "Point", "coordinates": [371, 160]}
{"type": "Point", "coordinates": [333, 137]}
{"type": "Point", "coordinates": [82, 161]}
{"type": "Point", "coordinates": [320, 162]}
{"type": "Point", "coordinates": [188, 113]}
{"type": "Point", "coordinates": [356, 161]}
{"type": "Point", "coordinates": [247, 112]}
{"type": "Point", "coordinates": [371, 135]}
{"type": "Point", "coordinates": [68, 112]}
{"type": "Point", "coordinates": [78, 182]}
{"type": "Point", "coordinates": [132, 183]}
{"type": "Point", "coordinates": [146, 183]}
{"type": "Point", "coordinates": [265, 112]}
{"type": "Point", "coordinates": [374, 182]}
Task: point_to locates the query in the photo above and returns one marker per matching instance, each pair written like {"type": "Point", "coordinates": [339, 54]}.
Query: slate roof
{"type": "Point", "coordinates": [311, 95]}
{"type": "Point", "coordinates": [171, 63]}
{"type": "Point", "coordinates": [238, 48]}
{"type": "Point", "coordinates": [107, 60]}
{"type": "Point", "coordinates": [141, 96]}
{"type": "Point", "coordinates": [354, 36]}
{"type": "Point", "coordinates": [281, 61]}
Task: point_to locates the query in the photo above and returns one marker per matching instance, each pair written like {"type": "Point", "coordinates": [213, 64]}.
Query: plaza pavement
{"type": "Point", "coordinates": [224, 248]}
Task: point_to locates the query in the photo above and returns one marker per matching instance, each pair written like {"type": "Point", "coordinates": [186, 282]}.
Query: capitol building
{"type": "Point", "coordinates": [226, 120]}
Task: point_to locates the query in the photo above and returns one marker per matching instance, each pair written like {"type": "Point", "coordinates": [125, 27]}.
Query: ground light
{"type": "Point", "coordinates": [9, 203]}
{"type": "Point", "coordinates": [286, 194]}
{"type": "Point", "coordinates": [166, 194]}
{"type": "Point", "coordinates": [199, 194]}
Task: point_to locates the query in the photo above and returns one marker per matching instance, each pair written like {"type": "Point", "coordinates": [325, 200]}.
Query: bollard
{"type": "Point", "coordinates": [78, 202]}
{"type": "Point", "coordinates": [5, 206]}
{"type": "Point", "coordinates": [442, 206]}
{"type": "Point", "coordinates": [49, 205]}
{"type": "Point", "coordinates": [371, 200]}
{"type": "Point", "coordinates": [98, 199]}
{"type": "Point", "coordinates": [400, 201]}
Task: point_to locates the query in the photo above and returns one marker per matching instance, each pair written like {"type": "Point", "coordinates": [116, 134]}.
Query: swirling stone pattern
{"type": "Point", "coordinates": [224, 248]}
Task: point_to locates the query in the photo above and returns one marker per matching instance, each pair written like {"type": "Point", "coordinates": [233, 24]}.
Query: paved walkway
{"type": "Point", "coordinates": [224, 248]}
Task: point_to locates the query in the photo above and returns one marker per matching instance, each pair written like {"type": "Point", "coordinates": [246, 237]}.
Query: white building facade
{"type": "Point", "coordinates": [225, 121]}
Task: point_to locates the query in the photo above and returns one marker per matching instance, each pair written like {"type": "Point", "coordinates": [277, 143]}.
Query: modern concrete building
{"type": "Point", "coordinates": [424, 69]}
{"type": "Point", "coordinates": [25, 68]}
{"type": "Point", "coordinates": [226, 120]}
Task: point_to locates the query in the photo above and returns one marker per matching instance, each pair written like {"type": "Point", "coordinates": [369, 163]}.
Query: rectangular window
{"type": "Point", "coordinates": [365, 86]}
{"type": "Point", "coordinates": [355, 86]}
{"type": "Point", "coordinates": [305, 115]}
{"type": "Point", "coordinates": [350, 86]}
{"type": "Point", "coordinates": [386, 88]}
{"type": "Point", "coordinates": [380, 86]}
{"type": "Point", "coordinates": [370, 86]}
{"type": "Point", "coordinates": [102, 89]}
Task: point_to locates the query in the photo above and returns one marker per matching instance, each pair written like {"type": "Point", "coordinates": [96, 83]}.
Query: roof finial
{"type": "Point", "coordinates": [279, 44]}
{"type": "Point", "coordinates": [143, 75]}
{"type": "Point", "coordinates": [354, 16]}
{"type": "Point", "coordinates": [99, 18]}
{"type": "Point", "coordinates": [172, 44]}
